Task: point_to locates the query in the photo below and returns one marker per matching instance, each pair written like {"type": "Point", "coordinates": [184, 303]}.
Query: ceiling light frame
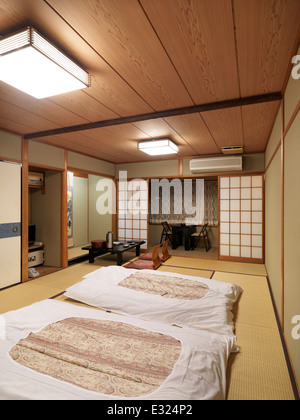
{"type": "Point", "coordinates": [158, 147]}
{"type": "Point", "coordinates": [25, 57]}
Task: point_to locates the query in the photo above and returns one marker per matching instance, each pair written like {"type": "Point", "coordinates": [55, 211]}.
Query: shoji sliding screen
{"type": "Point", "coordinates": [133, 211]}
{"type": "Point", "coordinates": [241, 218]}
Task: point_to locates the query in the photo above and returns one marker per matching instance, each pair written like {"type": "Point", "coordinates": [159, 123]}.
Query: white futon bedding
{"type": "Point", "coordinates": [112, 288]}
{"type": "Point", "coordinates": [197, 372]}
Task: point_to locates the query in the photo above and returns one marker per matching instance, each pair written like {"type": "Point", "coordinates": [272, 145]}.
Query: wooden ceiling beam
{"type": "Point", "coordinates": [270, 97]}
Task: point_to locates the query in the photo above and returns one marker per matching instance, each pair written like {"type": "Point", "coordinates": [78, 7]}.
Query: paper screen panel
{"type": "Point", "coordinates": [241, 217]}
{"type": "Point", "coordinates": [133, 211]}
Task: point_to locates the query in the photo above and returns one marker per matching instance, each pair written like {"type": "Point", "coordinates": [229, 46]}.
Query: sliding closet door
{"type": "Point", "coordinates": [10, 224]}
{"type": "Point", "coordinates": [241, 218]}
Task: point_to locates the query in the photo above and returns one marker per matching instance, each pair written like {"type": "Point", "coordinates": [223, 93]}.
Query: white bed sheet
{"type": "Point", "coordinates": [212, 312]}
{"type": "Point", "coordinates": [199, 374]}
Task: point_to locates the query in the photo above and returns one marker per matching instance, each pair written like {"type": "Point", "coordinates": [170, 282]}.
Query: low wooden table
{"type": "Point", "coordinates": [116, 249]}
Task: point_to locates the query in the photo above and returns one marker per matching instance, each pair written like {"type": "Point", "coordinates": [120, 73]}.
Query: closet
{"type": "Point", "coordinates": [10, 224]}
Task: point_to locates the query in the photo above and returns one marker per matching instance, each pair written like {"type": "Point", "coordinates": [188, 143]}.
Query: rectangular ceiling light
{"type": "Point", "coordinates": [32, 64]}
{"type": "Point", "coordinates": [158, 147]}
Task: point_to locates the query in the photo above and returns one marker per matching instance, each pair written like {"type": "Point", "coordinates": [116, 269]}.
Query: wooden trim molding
{"type": "Point", "coordinates": [87, 172]}
{"type": "Point", "coordinates": [180, 167]}
{"type": "Point", "coordinates": [273, 155]}
{"type": "Point", "coordinates": [292, 119]}
{"type": "Point", "coordinates": [24, 210]}
{"type": "Point", "coordinates": [6, 159]}
{"type": "Point", "coordinates": [282, 214]}
{"type": "Point", "coordinates": [64, 213]}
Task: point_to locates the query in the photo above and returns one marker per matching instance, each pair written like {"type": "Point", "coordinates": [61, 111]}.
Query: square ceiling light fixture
{"type": "Point", "coordinates": [158, 147]}
{"type": "Point", "coordinates": [32, 64]}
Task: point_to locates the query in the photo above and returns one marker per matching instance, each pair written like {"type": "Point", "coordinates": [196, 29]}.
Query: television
{"type": "Point", "coordinates": [31, 234]}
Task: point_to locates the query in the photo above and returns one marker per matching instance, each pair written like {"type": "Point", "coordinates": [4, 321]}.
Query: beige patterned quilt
{"type": "Point", "coordinates": [166, 286]}
{"type": "Point", "coordinates": [108, 357]}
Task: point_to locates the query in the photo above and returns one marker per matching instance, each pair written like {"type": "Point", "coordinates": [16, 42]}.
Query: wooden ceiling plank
{"type": "Point", "coordinates": [108, 88]}
{"type": "Point", "coordinates": [120, 143]}
{"type": "Point", "coordinates": [83, 106]}
{"type": "Point", "coordinates": [193, 129]}
{"type": "Point", "coordinates": [162, 128]}
{"type": "Point", "coordinates": [226, 127]}
{"type": "Point", "coordinates": [258, 121]}
{"type": "Point", "coordinates": [140, 64]}
{"type": "Point", "coordinates": [121, 33]}
{"type": "Point", "coordinates": [26, 118]}
{"type": "Point", "coordinates": [61, 116]}
{"type": "Point", "coordinates": [116, 144]}
{"type": "Point", "coordinates": [78, 146]}
{"type": "Point", "coordinates": [265, 32]}
{"type": "Point", "coordinates": [199, 38]}
{"type": "Point", "coordinates": [11, 125]}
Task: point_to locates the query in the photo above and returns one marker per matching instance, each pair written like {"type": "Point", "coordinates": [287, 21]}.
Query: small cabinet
{"type": "Point", "coordinates": [36, 256]}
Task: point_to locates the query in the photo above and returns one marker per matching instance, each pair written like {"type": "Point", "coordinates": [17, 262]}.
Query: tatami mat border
{"type": "Point", "coordinates": [58, 295]}
{"type": "Point", "coordinates": [214, 271]}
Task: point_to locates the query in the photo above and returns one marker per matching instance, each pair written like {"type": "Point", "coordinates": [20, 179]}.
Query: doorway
{"type": "Point", "coordinates": [85, 222]}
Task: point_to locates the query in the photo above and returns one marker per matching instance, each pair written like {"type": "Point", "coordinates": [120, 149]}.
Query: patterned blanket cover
{"type": "Point", "coordinates": [107, 357]}
{"type": "Point", "coordinates": [166, 286]}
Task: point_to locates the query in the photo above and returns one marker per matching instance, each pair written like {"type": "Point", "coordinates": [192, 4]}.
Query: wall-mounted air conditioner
{"type": "Point", "coordinates": [216, 164]}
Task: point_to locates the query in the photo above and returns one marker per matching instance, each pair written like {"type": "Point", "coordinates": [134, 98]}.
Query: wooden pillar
{"type": "Point", "coordinates": [24, 210]}
{"type": "Point", "coordinates": [282, 214]}
{"type": "Point", "coordinates": [64, 213]}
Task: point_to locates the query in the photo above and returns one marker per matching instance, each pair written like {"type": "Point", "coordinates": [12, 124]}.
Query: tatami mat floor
{"type": "Point", "coordinates": [258, 372]}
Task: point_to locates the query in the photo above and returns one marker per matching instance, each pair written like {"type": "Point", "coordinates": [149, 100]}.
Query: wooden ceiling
{"type": "Point", "coordinates": [150, 56]}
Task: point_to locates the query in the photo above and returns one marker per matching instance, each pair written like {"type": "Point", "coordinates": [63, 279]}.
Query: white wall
{"type": "Point", "coordinates": [282, 253]}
